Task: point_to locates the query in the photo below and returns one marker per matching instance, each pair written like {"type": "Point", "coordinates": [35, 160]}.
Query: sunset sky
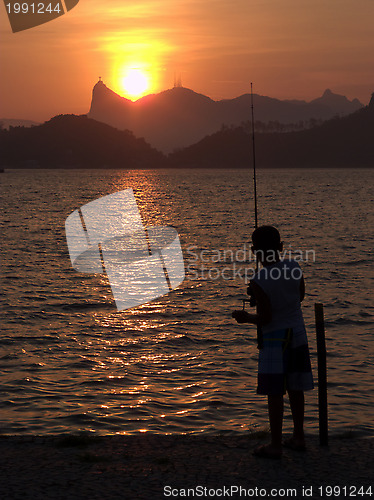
{"type": "Point", "coordinates": [289, 49]}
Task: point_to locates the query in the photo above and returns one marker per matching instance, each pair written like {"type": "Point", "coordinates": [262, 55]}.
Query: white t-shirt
{"type": "Point", "coordinates": [281, 283]}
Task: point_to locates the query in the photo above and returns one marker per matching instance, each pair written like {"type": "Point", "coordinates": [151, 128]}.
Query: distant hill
{"type": "Point", "coordinates": [179, 117]}
{"type": "Point", "coordinates": [14, 122]}
{"type": "Point", "coordinates": [339, 142]}
{"type": "Point", "coordinates": [70, 141]}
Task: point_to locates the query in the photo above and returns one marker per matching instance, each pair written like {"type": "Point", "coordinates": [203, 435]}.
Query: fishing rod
{"type": "Point", "coordinates": [251, 300]}
{"type": "Point", "coordinates": [254, 165]}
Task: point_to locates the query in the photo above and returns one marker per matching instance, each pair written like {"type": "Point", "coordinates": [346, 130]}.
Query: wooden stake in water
{"type": "Point", "coordinates": [322, 375]}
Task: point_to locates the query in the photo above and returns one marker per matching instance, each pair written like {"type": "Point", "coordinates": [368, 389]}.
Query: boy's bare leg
{"type": "Point", "coordinates": [297, 409]}
{"type": "Point", "coordinates": [274, 449]}
{"type": "Point", "coordinates": [275, 407]}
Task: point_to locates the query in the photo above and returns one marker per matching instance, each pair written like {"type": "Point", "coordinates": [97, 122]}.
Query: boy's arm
{"type": "Point", "coordinates": [263, 314]}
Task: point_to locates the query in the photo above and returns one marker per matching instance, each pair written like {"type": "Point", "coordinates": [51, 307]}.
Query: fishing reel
{"type": "Point", "coordinates": [251, 300]}
{"type": "Point", "coordinates": [237, 315]}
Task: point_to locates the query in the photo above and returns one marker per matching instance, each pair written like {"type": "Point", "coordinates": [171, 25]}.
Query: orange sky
{"type": "Point", "coordinates": [288, 48]}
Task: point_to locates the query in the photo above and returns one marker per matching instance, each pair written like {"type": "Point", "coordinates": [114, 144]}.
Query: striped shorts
{"type": "Point", "coordinates": [284, 362]}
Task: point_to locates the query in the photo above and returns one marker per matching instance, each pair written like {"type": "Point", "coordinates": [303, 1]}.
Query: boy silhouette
{"type": "Point", "coordinates": [284, 362]}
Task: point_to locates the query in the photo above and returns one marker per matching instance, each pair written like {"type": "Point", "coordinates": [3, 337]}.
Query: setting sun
{"type": "Point", "coordinates": [135, 83]}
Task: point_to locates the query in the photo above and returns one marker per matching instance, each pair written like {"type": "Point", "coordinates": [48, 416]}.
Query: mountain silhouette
{"type": "Point", "coordinates": [179, 117]}
{"type": "Point", "coordinates": [340, 142]}
{"type": "Point", "coordinates": [339, 103]}
{"type": "Point", "coordinates": [70, 141]}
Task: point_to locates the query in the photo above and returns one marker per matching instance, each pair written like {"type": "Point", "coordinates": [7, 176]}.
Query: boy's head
{"type": "Point", "coordinates": [267, 243]}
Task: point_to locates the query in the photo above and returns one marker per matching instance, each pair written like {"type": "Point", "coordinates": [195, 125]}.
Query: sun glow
{"type": "Point", "coordinates": [135, 83]}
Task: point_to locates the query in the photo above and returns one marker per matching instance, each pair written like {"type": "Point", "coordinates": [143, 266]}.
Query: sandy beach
{"type": "Point", "coordinates": [148, 466]}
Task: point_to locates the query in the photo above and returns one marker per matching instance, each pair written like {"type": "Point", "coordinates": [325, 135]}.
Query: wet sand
{"type": "Point", "coordinates": [152, 467]}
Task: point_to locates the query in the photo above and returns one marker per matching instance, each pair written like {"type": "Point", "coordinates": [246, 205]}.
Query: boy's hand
{"type": "Point", "coordinates": [241, 316]}
{"type": "Point", "coordinates": [252, 299]}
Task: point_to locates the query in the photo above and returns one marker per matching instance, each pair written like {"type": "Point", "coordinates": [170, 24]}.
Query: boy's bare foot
{"type": "Point", "coordinates": [294, 444]}
{"type": "Point", "coordinates": [268, 451]}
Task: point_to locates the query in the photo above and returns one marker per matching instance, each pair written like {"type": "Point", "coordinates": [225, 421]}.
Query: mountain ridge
{"type": "Point", "coordinates": [178, 117]}
{"type": "Point", "coordinates": [72, 141]}
{"type": "Point", "coordinates": [338, 142]}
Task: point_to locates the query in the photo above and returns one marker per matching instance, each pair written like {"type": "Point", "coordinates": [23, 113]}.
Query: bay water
{"type": "Point", "coordinates": [71, 362]}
